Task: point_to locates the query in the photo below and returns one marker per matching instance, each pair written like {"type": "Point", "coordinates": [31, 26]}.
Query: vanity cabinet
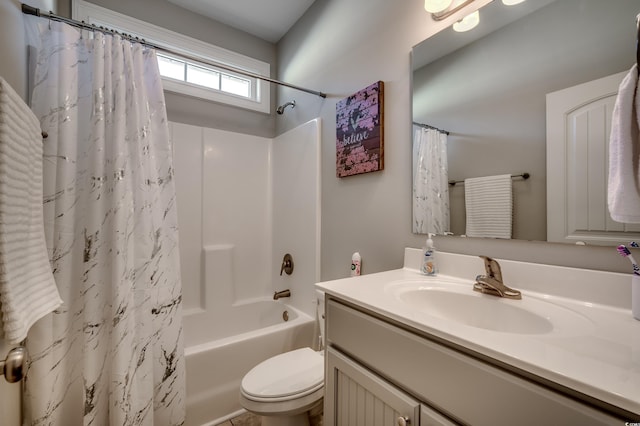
{"type": "Point", "coordinates": [362, 398]}
{"type": "Point", "coordinates": [380, 371]}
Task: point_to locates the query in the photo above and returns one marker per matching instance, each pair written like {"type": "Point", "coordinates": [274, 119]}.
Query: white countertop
{"type": "Point", "coordinates": [599, 357]}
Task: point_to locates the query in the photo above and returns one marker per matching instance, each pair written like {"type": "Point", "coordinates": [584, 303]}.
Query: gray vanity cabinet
{"type": "Point", "coordinates": [380, 372]}
{"type": "Point", "coordinates": [361, 398]}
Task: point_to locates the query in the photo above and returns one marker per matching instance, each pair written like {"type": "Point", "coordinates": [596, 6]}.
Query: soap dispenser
{"type": "Point", "coordinates": [428, 266]}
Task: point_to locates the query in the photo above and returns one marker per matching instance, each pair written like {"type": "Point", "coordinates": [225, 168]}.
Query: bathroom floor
{"type": "Point", "coordinates": [248, 419]}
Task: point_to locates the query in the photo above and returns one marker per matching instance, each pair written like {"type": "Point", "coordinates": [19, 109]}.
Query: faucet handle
{"type": "Point", "coordinates": [287, 264]}
{"type": "Point", "coordinates": [492, 283]}
{"type": "Point", "coordinates": [492, 267]}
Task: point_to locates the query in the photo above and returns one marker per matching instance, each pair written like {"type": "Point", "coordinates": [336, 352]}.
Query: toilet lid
{"type": "Point", "coordinates": [292, 373]}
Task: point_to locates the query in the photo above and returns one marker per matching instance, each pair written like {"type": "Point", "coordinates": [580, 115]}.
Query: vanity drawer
{"type": "Point", "coordinates": [464, 388]}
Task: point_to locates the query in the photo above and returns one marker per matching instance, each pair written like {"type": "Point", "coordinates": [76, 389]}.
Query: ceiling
{"type": "Point", "coordinates": [267, 19]}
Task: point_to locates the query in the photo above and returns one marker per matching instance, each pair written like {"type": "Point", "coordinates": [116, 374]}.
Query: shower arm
{"type": "Point", "coordinates": [282, 107]}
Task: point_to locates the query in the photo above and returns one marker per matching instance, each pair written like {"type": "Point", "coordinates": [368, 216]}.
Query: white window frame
{"type": "Point", "coordinates": [93, 14]}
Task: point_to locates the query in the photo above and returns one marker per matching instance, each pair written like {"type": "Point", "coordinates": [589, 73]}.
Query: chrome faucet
{"type": "Point", "coordinates": [284, 293]}
{"type": "Point", "coordinates": [491, 283]}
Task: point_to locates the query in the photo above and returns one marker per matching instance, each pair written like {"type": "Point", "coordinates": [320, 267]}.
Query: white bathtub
{"type": "Point", "coordinates": [243, 337]}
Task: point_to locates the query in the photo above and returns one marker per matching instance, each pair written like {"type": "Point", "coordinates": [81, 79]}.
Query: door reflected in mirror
{"type": "Point", "coordinates": [488, 87]}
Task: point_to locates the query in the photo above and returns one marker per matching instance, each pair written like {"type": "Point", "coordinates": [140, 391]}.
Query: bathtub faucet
{"type": "Point", "coordinates": [284, 293]}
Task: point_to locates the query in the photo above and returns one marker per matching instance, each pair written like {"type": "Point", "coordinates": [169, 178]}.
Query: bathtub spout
{"type": "Point", "coordinates": [284, 293]}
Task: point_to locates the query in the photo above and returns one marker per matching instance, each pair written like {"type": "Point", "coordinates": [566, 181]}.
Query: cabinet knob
{"type": "Point", "coordinates": [403, 421]}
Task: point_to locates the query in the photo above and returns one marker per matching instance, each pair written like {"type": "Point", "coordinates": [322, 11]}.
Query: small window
{"type": "Point", "coordinates": [171, 68]}
{"type": "Point", "coordinates": [181, 75]}
{"type": "Point", "coordinates": [237, 86]}
{"type": "Point", "coordinates": [203, 77]}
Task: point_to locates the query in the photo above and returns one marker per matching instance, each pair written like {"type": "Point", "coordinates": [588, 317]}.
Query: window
{"type": "Point", "coordinates": [185, 76]}
{"type": "Point", "coordinates": [205, 76]}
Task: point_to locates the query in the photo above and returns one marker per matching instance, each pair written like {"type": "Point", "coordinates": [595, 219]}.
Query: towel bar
{"type": "Point", "coordinates": [524, 176]}
{"type": "Point", "coordinates": [14, 367]}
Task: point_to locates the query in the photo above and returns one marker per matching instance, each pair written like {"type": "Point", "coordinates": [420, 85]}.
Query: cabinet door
{"type": "Point", "coordinates": [430, 417]}
{"type": "Point", "coordinates": [356, 397]}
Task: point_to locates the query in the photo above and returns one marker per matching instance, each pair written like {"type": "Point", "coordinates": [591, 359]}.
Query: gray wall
{"type": "Point", "coordinates": [180, 108]}
{"type": "Point", "coordinates": [194, 111]}
{"type": "Point", "coordinates": [339, 47]}
{"type": "Point", "coordinates": [13, 50]}
{"type": "Point", "coordinates": [491, 96]}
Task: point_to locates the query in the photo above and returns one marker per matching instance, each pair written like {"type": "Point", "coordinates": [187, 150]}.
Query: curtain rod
{"type": "Point", "coordinates": [30, 10]}
{"type": "Point", "coordinates": [426, 126]}
{"type": "Point", "coordinates": [524, 176]}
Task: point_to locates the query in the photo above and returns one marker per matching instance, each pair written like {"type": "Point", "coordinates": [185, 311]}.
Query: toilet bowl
{"type": "Point", "coordinates": [284, 388]}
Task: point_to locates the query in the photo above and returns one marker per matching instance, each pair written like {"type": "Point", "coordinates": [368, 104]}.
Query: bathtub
{"type": "Point", "coordinates": [241, 338]}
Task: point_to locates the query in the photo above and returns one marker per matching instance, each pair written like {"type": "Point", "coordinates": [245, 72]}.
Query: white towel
{"type": "Point", "coordinates": [624, 152]}
{"type": "Point", "coordinates": [489, 204]}
{"type": "Point", "coordinates": [27, 287]}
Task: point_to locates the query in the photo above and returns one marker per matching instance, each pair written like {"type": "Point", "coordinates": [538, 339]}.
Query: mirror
{"type": "Point", "coordinates": [487, 88]}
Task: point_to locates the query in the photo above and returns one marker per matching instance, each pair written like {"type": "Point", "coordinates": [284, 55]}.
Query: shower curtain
{"type": "Point", "coordinates": [113, 353]}
{"type": "Point", "coordinates": [430, 181]}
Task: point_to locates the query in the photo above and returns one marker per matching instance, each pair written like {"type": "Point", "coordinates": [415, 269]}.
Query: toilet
{"type": "Point", "coordinates": [284, 388]}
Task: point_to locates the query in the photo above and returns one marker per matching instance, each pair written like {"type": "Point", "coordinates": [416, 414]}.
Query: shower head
{"type": "Point", "coordinates": [281, 108]}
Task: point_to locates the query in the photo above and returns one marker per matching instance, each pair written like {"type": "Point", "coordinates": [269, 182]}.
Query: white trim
{"type": "Point", "coordinates": [93, 14]}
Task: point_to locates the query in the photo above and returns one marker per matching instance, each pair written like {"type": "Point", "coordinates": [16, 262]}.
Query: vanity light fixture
{"type": "Point", "coordinates": [511, 2]}
{"type": "Point", "coordinates": [468, 22]}
{"type": "Point", "coordinates": [437, 6]}
{"type": "Point", "coordinates": [452, 8]}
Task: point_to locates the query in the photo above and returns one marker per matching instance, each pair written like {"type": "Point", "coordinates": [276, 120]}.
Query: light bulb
{"type": "Point", "coordinates": [467, 23]}
{"type": "Point", "coordinates": [436, 6]}
{"type": "Point", "coordinates": [511, 2]}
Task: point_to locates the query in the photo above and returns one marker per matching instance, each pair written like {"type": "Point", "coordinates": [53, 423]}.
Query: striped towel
{"type": "Point", "coordinates": [27, 287]}
{"type": "Point", "coordinates": [489, 204]}
{"type": "Point", "coordinates": [623, 193]}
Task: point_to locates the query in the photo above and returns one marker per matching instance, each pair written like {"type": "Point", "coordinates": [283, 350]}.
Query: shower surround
{"type": "Point", "coordinates": [243, 202]}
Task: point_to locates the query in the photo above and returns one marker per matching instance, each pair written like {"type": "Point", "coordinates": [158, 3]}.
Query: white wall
{"type": "Point", "coordinates": [243, 202]}
{"type": "Point", "coordinates": [295, 175]}
{"type": "Point", "coordinates": [223, 195]}
{"type": "Point", "coordinates": [339, 47]}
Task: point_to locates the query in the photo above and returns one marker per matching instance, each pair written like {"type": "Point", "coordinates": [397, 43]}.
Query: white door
{"type": "Point", "coordinates": [9, 395]}
{"type": "Point", "coordinates": [578, 128]}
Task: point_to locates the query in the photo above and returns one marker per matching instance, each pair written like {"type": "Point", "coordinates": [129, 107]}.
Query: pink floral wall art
{"type": "Point", "coordinates": [360, 132]}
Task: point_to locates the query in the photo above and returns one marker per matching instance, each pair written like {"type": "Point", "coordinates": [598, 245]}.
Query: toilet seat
{"type": "Point", "coordinates": [287, 376]}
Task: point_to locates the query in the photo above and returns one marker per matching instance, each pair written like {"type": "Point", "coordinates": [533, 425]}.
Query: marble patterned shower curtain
{"type": "Point", "coordinates": [430, 182]}
{"type": "Point", "coordinates": [113, 353]}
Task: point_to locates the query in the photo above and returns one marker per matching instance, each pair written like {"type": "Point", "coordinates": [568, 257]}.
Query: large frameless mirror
{"type": "Point", "coordinates": [480, 109]}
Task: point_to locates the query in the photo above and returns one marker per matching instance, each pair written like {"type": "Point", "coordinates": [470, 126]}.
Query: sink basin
{"type": "Point", "coordinates": [460, 304]}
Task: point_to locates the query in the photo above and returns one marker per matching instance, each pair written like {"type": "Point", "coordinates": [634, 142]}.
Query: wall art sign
{"type": "Point", "coordinates": [360, 132]}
